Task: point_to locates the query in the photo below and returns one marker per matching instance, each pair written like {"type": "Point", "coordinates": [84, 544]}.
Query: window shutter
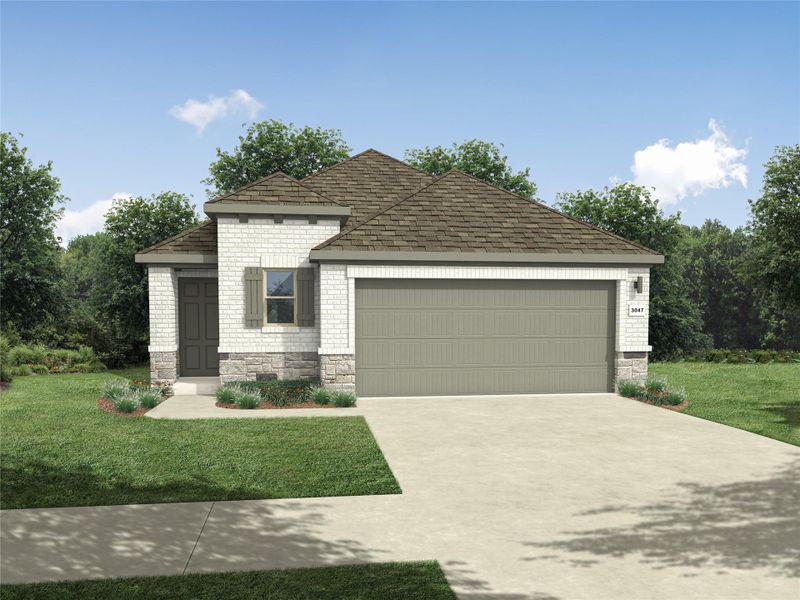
{"type": "Point", "coordinates": [305, 297]}
{"type": "Point", "coordinates": [253, 297]}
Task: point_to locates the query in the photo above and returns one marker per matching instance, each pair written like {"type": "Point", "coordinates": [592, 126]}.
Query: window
{"type": "Point", "coordinates": [280, 297]}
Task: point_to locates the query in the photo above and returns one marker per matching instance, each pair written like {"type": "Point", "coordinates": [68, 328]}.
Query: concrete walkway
{"type": "Point", "coordinates": [593, 497]}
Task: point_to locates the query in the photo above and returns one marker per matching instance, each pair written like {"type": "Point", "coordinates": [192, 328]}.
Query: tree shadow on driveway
{"type": "Point", "coordinates": [470, 587]}
{"type": "Point", "coordinates": [743, 525]}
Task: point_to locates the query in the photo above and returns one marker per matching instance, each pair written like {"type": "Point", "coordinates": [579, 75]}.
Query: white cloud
{"type": "Point", "coordinates": [86, 220]}
{"type": "Point", "coordinates": [201, 114]}
{"type": "Point", "coordinates": [690, 168]}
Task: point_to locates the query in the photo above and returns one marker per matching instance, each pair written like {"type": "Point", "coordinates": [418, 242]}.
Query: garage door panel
{"type": "Point", "coordinates": [445, 337]}
{"type": "Point", "coordinates": [479, 353]}
{"type": "Point", "coordinates": [522, 322]}
{"type": "Point", "coordinates": [437, 382]}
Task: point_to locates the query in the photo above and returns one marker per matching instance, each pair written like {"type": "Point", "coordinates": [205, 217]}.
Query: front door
{"type": "Point", "coordinates": [198, 326]}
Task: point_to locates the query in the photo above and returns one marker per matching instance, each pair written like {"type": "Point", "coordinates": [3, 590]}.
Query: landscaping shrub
{"type": "Point", "coordinates": [21, 370]}
{"type": "Point", "coordinates": [320, 395]}
{"type": "Point", "coordinates": [247, 399]}
{"type": "Point", "coordinates": [56, 360]}
{"type": "Point", "coordinates": [165, 389]}
{"type": "Point", "coordinates": [94, 366]}
{"type": "Point", "coordinates": [343, 399]}
{"type": "Point", "coordinates": [226, 394]}
{"type": "Point", "coordinates": [39, 369]}
{"type": "Point", "coordinates": [6, 376]}
{"type": "Point", "coordinates": [162, 389]}
{"type": "Point", "coordinates": [84, 354]}
{"type": "Point", "coordinates": [278, 392]}
{"type": "Point", "coordinates": [5, 347]}
{"type": "Point", "coordinates": [654, 391]}
{"type": "Point", "coordinates": [149, 399]}
{"type": "Point", "coordinates": [675, 397]}
{"type": "Point", "coordinates": [656, 385]}
{"type": "Point", "coordinates": [283, 392]}
{"type": "Point", "coordinates": [27, 355]}
{"type": "Point", "coordinates": [127, 403]}
{"type": "Point", "coordinates": [629, 388]}
{"type": "Point", "coordinates": [116, 389]}
{"type": "Point", "coordinates": [740, 356]}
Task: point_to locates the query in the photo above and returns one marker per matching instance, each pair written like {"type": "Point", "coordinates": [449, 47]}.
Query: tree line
{"type": "Point", "coordinates": [717, 288]}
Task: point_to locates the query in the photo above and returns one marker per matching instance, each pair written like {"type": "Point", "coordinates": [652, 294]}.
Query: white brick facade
{"type": "Point", "coordinates": [337, 288]}
{"type": "Point", "coordinates": [163, 300]}
{"type": "Point", "coordinates": [263, 242]}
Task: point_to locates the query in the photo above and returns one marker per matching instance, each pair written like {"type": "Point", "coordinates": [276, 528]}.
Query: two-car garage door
{"type": "Point", "coordinates": [419, 337]}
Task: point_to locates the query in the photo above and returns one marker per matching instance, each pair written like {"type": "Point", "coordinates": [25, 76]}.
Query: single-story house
{"type": "Point", "coordinates": [374, 276]}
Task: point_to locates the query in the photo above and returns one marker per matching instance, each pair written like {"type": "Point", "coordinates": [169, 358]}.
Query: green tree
{"type": "Point", "coordinates": [121, 287]}
{"type": "Point", "coordinates": [271, 146]}
{"type": "Point", "coordinates": [630, 211]}
{"type": "Point", "coordinates": [715, 272]}
{"type": "Point", "coordinates": [477, 158]}
{"type": "Point", "coordinates": [775, 225]}
{"type": "Point", "coordinates": [30, 278]}
{"type": "Point", "coordinates": [83, 269]}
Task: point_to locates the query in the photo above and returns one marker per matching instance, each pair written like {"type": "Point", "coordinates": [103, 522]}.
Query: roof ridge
{"type": "Point", "coordinates": [246, 186]}
{"type": "Point", "coordinates": [380, 212]}
{"type": "Point", "coordinates": [402, 162]}
{"type": "Point", "coordinates": [551, 209]}
{"type": "Point", "coordinates": [362, 153]}
{"type": "Point", "coordinates": [270, 176]}
{"type": "Point", "coordinates": [177, 236]}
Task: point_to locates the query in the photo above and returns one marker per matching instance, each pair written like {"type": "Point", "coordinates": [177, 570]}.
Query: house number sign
{"type": "Point", "coordinates": [637, 309]}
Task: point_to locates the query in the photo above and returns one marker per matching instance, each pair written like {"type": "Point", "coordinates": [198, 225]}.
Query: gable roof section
{"type": "Point", "coordinates": [195, 245]}
{"type": "Point", "coordinates": [459, 214]}
{"type": "Point", "coordinates": [277, 188]}
{"type": "Point", "coordinates": [368, 182]}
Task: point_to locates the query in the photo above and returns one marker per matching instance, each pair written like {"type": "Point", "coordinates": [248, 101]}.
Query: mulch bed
{"type": "Point", "coordinates": [675, 407]}
{"type": "Point", "coordinates": [4, 385]}
{"type": "Point", "coordinates": [106, 405]}
{"type": "Point", "coordinates": [265, 405]}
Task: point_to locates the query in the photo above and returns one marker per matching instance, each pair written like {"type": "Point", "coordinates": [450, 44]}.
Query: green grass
{"type": "Point", "coordinates": [762, 398]}
{"type": "Point", "coordinates": [407, 581]}
{"type": "Point", "coordinates": [140, 373]}
{"type": "Point", "coordinates": [60, 449]}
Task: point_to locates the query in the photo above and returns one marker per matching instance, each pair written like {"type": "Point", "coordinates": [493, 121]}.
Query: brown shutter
{"type": "Point", "coordinates": [305, 297]}
{"type": "Point", "coordinates": [253, 297]}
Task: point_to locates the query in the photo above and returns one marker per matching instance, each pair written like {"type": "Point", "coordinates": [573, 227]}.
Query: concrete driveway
{"type": "Point", "coordinates": [539, 497]}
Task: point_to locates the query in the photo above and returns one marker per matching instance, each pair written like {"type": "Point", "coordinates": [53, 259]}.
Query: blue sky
{"type": "Point", "coordinates": [703, 92]}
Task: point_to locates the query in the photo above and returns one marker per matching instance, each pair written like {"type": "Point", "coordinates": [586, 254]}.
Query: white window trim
{"type": "Point", "coordinates": [272, 327]}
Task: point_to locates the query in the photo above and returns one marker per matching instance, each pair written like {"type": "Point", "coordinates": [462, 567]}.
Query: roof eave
{"type": "Point", "coordinates": [485, 257]}
{"type": "Point", "coordinates": [251, 208]}
{"type": "Point", "coordinates": [176, 258]}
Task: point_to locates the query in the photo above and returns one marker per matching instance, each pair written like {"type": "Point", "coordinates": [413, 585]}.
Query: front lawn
{"type": "Point", "coordinates": [411, 581]}
{"type": "Point", "coordinates": [59, 449]}
{"type": "Point", "coordinates": [762, 398]}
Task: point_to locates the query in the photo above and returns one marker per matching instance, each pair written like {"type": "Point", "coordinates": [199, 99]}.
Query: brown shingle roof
{"type": "Point", "coordinates": [277, 188]}
{"type": "Point", "coordinates": [367, 183]}
{"type": "Point", "coordinates": [459, 213]}
{"type": "Point", "coordinates": [197, 240]}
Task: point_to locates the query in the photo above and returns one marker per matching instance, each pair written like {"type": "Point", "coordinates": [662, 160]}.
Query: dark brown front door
{"type": "Point", "coordinates": [199, 326]}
